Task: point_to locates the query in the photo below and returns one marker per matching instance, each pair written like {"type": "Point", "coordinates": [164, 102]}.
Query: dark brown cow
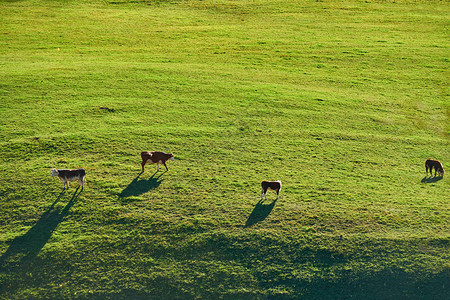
{"type": "Point", "coordinates": [156, 157]}
{"type": "Point", "coordinates": [71, 175]}
{"type": "Point", "coordinates": [271, 185]}
{"type": "Point", "coordinates": [438, 168]}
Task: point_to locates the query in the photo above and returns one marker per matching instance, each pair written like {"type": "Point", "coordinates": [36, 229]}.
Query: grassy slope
{"type": "Point", "coordinates": [343, 102]}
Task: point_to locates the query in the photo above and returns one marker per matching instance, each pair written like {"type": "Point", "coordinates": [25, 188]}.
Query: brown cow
{"type": "Point", "coordinates": [156, 157]}
{"type": "Point", "coordinates": [71, 175]}
{"type": "Point", "coordinates": [271, 185]}
{"type": "Point", "coordinates": [438, 168]}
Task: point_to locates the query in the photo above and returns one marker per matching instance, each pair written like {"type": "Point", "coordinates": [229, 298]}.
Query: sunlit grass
{"type": "Point", "coordinates": [341, 101]}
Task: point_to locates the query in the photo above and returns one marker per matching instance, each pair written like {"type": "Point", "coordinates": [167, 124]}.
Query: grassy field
{"type": "Point", "coordinates": [343, 101]}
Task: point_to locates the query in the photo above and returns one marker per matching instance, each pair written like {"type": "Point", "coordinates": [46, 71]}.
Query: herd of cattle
{"type": "Point", "coordinates": [160, 158]}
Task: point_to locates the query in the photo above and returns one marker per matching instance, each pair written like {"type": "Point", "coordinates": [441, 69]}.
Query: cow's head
{"type": "Point", "coordinates": [55, 172]}
{"type": "Point", "coordinates": [171, 157]}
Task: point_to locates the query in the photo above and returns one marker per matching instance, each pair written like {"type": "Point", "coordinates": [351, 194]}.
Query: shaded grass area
{"type": "Point", "coordinates": [343, 101]}
{"type": "Point", "coordinates": [224, 265]}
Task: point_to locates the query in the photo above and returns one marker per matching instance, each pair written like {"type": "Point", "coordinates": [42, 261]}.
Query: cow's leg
{"type": "Point", "coordinates": [157, 165]}
{"type": "Point", "coordinates": [426, 168]}
{"type": "Point", "coordinates": [60, 179]}
{"type": "Point", "coordinates": [167, 169]}
{"type": "Point", "coordinates": [278, 191]}
{"type": "Point", "coordinates": [143, 164]}
{"type": "Point", "coordinates": [262, 193]}
{"type": "Point", "coordinates": [81, 182]}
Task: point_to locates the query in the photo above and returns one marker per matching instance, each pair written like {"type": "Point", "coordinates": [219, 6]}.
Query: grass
{"type": "Point", "coordinates": [342, 101]}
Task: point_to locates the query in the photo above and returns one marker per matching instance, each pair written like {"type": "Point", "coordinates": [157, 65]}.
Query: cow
{"type": "Point", "coordinates": [438, 168]}
{"type": "Point", "coordinates": [271, 185]}
{"type": "Point", "coordinates": [156, 157]}
{"type": "Point", "coordinates": [71, 175]}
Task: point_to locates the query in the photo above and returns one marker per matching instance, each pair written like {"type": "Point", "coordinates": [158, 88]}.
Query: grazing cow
{"type": "Point", "coordinates": [71, 175]}
{"type": "Point", "coordinates": [438, 168]}
{"type": "Point", "coordinates": [271, 185]}
{"type": "Point", "coordinates": [156, 157]}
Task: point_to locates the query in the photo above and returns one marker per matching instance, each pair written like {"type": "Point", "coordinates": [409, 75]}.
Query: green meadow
{"type": "Point", "coordinates": [343, 101]}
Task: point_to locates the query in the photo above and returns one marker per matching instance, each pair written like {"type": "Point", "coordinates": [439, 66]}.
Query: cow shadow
{"type": "Point", "coordinates": [431, 179]}
{"type": "Point", "coordinates": [140, 186]}
{"type": "Point", "coordinates": [260, 212]}
{"type": "Point", "coordinates": [27, 246]}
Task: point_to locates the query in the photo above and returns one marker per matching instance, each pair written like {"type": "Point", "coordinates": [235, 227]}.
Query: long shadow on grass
{"type": "Point", "coordinates": [260, 212]}
{"type": "Point", "coordinates": [140, 186]}
{"type": "Point", "coordinates": [26, 247]}
{"type": "Point", "coordinates": [431, 179]}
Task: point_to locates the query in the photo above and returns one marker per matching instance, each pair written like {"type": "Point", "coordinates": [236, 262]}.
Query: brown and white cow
{"type": "Point", "coordinates": [71, 175]}
{"type": "Point", "coordinates": [438, 168]}
{"type": "Point", "coordinates": [156, 157]}
{"type": "Point", "coordinates": [270, 185]}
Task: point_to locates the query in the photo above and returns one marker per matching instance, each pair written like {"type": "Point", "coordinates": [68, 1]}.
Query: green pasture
{"type": "Point", "coordinates": [343, 101]}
